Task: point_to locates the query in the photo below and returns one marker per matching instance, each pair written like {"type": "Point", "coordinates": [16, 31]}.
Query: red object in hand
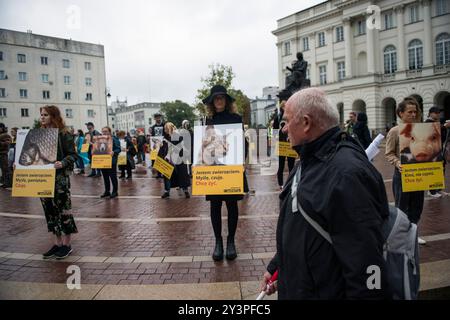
{"type": "Point", "coordinates": [271, 281]}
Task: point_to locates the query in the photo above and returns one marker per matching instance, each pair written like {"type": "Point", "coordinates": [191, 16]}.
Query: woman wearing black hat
{"type": "Point", "coordinates": [219, 109]}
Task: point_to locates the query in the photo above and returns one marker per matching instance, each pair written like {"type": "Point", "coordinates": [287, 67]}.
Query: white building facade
{"type": "Point", "coordinates": [136, 117]}
{"type": "Point", "coordinates": [261, 108]}
{"type": "Point", "coordinates": [369, 62]}
{"type": "Point", "coordinates": [37, 70]}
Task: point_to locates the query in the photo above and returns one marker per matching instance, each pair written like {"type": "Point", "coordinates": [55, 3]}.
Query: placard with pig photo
{"type": "Point", "coordinates": [421, 156]}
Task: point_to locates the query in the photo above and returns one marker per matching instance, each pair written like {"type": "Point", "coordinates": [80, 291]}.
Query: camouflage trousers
{"type": "Point", "coordinates": [57, 221]}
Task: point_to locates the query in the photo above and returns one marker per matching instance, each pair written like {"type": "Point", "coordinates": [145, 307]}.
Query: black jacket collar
{"type": "Point", "coordinates": [320, 147]}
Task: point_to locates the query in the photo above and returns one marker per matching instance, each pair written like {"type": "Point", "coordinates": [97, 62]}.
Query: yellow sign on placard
{"type": "Point", "coordinates": [122, 159]}
{"type": "Point", "coordinates": [84, 147]}
{"type": "Point", "coordinates": [36, 183]}
{"type": "Point", "coordinates": [153, 154]}
{"type": "Point", "coordinates": [217, 180]}
{"type": "Point", "coordinates": [422, 176]}
{"type": "Point", "coordinates": [101, 161]}
{"type": "Point", "coordinates": [162, 166]}
{"type": "Point", "coordinates": [284, 149]}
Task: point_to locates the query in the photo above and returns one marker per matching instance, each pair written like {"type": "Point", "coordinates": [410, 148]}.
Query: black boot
{"type": "Point", "coordinates": [218, 250]}
{"type": "Point", "coordinates": [231, 249]}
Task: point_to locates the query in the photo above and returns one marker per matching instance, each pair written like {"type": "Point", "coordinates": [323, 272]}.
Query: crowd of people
{"type": "Point", "coordinates": [334, 186]}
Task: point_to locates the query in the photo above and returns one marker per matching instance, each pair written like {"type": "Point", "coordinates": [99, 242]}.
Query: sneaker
{"type": "Point", "coordinates": [51, 253]}
{"type": "Point", "coordinates": [421, 241]}
{"type": "Point", "coordinates": [63, 252]}
{"type": "Point", "coordinates": [187, 195]}
{"type": "Point", "coordinates": [106, 194]}
{"type": "Point", "coordinates": [434, 195]}
{"type": "Point", "coordinates": [114, 195]}
{"type": "Point", "coordinates": [165, 195]}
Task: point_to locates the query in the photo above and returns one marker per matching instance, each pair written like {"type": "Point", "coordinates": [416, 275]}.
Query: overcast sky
{"type": "Point", "coordinates": [158, 50]}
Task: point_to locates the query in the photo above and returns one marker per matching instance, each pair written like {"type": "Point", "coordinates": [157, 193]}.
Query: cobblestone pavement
{"type": "Point", "coordinates": [140, 238]}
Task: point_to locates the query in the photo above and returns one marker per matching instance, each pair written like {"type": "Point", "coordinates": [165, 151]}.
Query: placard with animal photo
{"type": "Point", "coordinates": [219, 145]}
{"type": "Point", "coordinates": [218, 160]}
{"type": "Point", "coordinates": [36, 152]}
{"type": "Point", "coordinates": [102, 152]}
{"type": "Point", "coordinates": [421, 156]}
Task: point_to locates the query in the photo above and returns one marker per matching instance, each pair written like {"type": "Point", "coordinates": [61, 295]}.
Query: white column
{"type": "Point", "coordinates": [370, 45]}
{"type": "Point", "coordinates": [280, 67]}
{"type": "Point", "coordinates": [330, 66]}
{"type": "Point", "coordinates": [312, 63]}
{"type": "Point", "coordinates": [348, 39]}
{"type": "Point", "coordinates": [428, 41]}
{"type": "Point", "coordinates": [401, 57]}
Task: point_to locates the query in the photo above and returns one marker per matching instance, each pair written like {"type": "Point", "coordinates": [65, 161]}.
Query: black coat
{"type": "Point", "coordinates": [361, 130]}
{"type": "Point", "coordinates": [225, 117]}
{"type": "Point", "coordinates": [343, 192]}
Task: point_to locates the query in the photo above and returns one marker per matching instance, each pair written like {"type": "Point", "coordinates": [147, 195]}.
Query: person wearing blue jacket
{"type": "Point", "coordinates": [111, 174]}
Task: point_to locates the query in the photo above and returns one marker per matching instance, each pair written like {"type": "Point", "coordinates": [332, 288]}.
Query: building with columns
{"type": "Point", "coordinates": [37, 70]}
{"type": "Point", "coordinates": [369, 60]}
{"type": "Point", "coordinates": [261, 108]}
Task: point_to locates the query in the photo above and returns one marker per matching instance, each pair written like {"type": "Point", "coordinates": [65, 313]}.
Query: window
{"type": "Point", "coordinates": [360, 27]}
{"type": "Point", "coordinates": [67, 95]}
{"type": "Point", "coordinates": [321, 39]}
{"type": "Point", "coordinates": [305, 44]}
{"type": "Point", "coordinates": [46, 94]}
{"type": "Point", "coordinates": [413, 14]}
{"type": "Point", "coordinates": [88, 82]}
{"type": "Point", "coordinates": [441, 7]}
{"type": "Point", "coordinates": [341, 70]}
{"type": "Point", "coordinates": [339, 34]}
{"type": "Point", "coordinates": [66, 63]}
{"type": "Point", "coordinates": [390, 60]}
{"type": "Point", "coordinates": [2, 92]}
{"type": "Point", "coordinates": [87, 66]}
{"type": "Point", "coordinates": [323, 75]}
{"type": "Point", "coordinates": [90, 113]}
{"type": "Point", "coordinates": [66, 79]}
{"type": "Point", "coordinates": [443, 49]}
{"type": "Point", "coordinates": [69, 113]}
{"type": "Point", "coordinates": [2, 74]}
{"type": "Point", "coordinates": [44, 78]}
{"type": "Point", "coordinates": [24, 112]}
{"type": "Point", "coordinates": [23, 93]}
{"type": "Point", "coordinates": [388, 21]}
{"type": "Point", "coordinates": [1, 55]}
{"type": "Point", "coordinates": [415, 54]}
{"type": "Point", "coordinates": [307, 76]}
{"type": "Point", "coordinates": [2, 112]}
{"type": "Point", "coordinates": [287, 48]}
{"type": "Point", "coordinates": [21, 58]}
{"type": "Point", "coordinates": [22, 76]}
{"type": "Point", "coordinates": [88, 96]}
{"type": "Point", "coordinates": [44, 60]}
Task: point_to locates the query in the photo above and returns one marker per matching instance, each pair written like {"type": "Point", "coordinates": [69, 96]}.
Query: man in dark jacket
{"type": "Point", "coordinates": [341, 191]}
{"type": "Point", "coordinates": [92, 133]}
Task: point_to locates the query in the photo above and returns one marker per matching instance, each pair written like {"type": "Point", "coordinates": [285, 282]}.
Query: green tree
{"type": "Point", "coordinates": [222, 75]}
{"type": "Point", "coordinates": [36, 124]}
{"type": "Point", "coordinates": [177, 111]}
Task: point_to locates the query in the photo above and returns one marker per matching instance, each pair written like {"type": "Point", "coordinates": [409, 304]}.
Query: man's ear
{"type": "Point", "coordinates": [306, 123]}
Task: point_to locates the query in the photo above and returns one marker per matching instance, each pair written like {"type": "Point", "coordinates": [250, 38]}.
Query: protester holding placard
{"type": "Point", "coordinates": [5, 141]}
{"type": "Point", "coordinates": [219, 109]}
{"type": "Point", "coordinates": [79, 141]}
{"type": "Point", "coordinates": [180, 175]}
{"type": "Point", "coordinates": [409, 202]}
{"type": "Point", "coordinates": [278, 124]}
{"type": "Point", "coordinates": [111, 174]}
{"type": "Point", "coordinates": [127, 147]}
{"type": "Point", "coordinates": [59, 221]}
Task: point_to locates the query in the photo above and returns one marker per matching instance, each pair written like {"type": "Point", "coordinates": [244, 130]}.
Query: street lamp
{"type": "Point", "coordinates": [107, 95]}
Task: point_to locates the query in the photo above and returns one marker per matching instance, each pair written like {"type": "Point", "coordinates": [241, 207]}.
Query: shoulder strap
{"type": "Point", "coordinates": [296, 206]}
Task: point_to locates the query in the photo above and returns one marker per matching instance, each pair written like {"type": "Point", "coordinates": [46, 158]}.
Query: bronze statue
{"type": "Point", "coordinates": [297, 79]}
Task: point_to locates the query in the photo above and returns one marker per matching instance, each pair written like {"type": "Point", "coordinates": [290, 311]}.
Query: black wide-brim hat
{"type": "Point", "coordinates": [217, 90]}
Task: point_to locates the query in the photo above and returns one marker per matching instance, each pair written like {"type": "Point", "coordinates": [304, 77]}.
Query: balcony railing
{"type": "Point", "coordinates": [444, 68]}
{"type": "Point", "coordinates": [388, 76]}
{"type": "Point", "coordinates": [414, 73]}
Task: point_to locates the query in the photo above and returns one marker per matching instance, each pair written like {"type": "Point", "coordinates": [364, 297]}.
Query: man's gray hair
{"type": "Point", "coordinates": [314, 103]}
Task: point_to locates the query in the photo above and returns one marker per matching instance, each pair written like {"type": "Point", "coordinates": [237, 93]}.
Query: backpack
{"type": "Point", "coordinates": [400, 247]}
